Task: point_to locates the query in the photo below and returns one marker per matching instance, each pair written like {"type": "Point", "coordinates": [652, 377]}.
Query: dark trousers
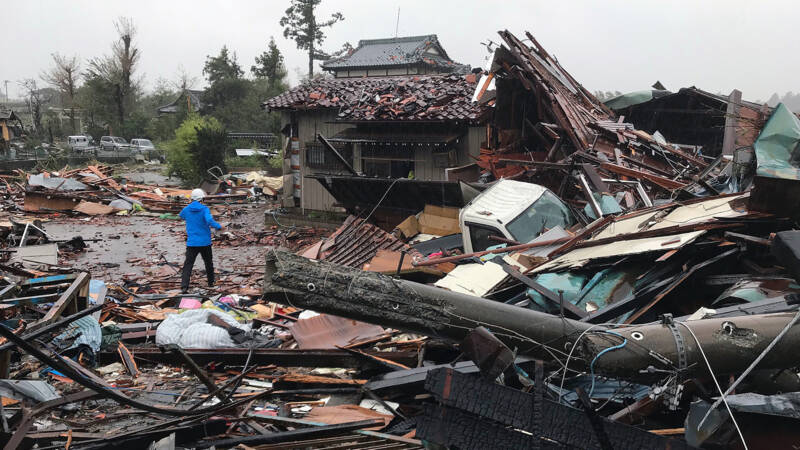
{"type": "Point", "coordinates": [191, 255]}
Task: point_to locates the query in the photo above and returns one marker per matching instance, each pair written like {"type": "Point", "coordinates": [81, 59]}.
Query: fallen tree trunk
{"type": "Point", "coordinates": [730, 344]}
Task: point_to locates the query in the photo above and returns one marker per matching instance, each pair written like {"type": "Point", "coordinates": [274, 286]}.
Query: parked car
{"type": "Point", "coordinates": [113, 143]}
{"type": "Point", "coordinates": [143, 146]}
{"type": "Point", "coordinates": [79, 144]}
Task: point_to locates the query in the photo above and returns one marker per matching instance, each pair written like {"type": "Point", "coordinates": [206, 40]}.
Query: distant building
{"type": "Point", "coordinates": [191, 99]}
{"type": "Point", "coordinates": [413, 55]}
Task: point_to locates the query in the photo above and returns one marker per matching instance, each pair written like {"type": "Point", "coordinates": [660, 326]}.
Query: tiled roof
{"type": "Point", "coordinates": [411, 98]}
{"type": "Point", "coordinates": [393, 52]}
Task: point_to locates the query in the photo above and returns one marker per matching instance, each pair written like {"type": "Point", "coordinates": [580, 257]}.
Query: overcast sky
{"type": "Point", "coordinates": [608, 45]}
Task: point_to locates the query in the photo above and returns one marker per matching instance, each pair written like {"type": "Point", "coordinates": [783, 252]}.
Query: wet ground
{"type": "Point", "coordinates": [150, 174]}
{"type": "Point", "coordinates": [130, 245]}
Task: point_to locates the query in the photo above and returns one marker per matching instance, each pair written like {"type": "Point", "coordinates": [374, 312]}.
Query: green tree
{"type": "Point", "coordinates": [301, 25]}
{"type": "Point", "coordinates": [269, 64]}
{"type": "Point", "coordinates": [226, 85]}
{"type": "Point", "coordinates": [199, 144]}
{"type": "Point", "coordinates": [222, 67]}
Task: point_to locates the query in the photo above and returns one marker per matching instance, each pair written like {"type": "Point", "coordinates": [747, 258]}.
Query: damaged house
{"type": "Point", "coordinates": [394, 109]}
{"type": "Point", "coordinates": [719, 124]}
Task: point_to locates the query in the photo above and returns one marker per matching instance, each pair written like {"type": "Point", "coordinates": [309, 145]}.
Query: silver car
{"type": "Point", "coordinates": [113, 143]}
{"type": "Point", "coordinates": [142, 146]}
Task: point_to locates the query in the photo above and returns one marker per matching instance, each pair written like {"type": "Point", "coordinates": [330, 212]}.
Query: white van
{"type": "Point", "coordinates": [78, 143]}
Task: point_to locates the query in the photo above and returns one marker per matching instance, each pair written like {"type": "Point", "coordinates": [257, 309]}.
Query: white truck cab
{"type": "Point", "coordinates": [513, 210]}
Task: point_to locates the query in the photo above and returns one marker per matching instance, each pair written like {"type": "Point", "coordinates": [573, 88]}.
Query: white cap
{"type": "Point", "coordinates": [198, 194]}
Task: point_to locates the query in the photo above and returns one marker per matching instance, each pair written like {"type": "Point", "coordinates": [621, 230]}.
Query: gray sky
{"type": "Point", "coordinates": [609, 45]}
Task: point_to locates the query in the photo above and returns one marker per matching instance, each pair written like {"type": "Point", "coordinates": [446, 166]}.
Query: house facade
{"type": "Point", "coordinates": [383, 123]}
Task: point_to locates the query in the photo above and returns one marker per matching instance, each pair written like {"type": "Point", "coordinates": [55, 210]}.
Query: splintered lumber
{"type": "Point", "coordinates": [729, 343]}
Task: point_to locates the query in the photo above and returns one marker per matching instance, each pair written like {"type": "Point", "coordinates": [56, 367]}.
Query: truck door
{"type": "Point", "coordinates": [479, 236]}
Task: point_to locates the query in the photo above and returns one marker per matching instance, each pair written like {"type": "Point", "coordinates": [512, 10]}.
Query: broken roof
{"type": "Point", "coordinates": [431, 98]}
{"type": "Point", "coordinates": [8, 114]}
{"type": "Point", "coordinates": [393, 52]}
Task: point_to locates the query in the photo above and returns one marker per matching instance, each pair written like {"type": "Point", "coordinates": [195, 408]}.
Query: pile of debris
{"type": "Point", "coordinates": [90, 365]}
{"type": "Point", "coordinates": [597, 275]}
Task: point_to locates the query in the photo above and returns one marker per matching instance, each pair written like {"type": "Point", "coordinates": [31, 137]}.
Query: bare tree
{"type": "Point", "coordinates": [184, 80]}
{"type": "Point", "coordinates": [64, 76]}
{"type": "Point", "coordinates": [36, 99]}
{"type": "Point", "coordinates": [118, 68]}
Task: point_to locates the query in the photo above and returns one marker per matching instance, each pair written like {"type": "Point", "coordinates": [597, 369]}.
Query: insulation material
{"type": "Point", "coordinates": [326, 331]}
{"type": "Point", "coordinates": [190, 329]}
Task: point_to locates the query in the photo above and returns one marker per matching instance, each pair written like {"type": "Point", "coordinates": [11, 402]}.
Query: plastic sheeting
{"type": "Point", "coordinates": [190, 329]}
{"type": "Point", "coordinates": [776, 145]}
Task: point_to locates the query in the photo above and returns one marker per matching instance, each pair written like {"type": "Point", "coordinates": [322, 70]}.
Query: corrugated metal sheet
{"type": "Point", "coordinates": [355, 243]}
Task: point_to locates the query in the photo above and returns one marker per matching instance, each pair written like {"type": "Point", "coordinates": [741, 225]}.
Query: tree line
{"type": "Point", "coordinates": [105, 95]}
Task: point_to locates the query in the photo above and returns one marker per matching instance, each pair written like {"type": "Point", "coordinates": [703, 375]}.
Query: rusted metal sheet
{"type": "Point", "coordinates": [327, 331]}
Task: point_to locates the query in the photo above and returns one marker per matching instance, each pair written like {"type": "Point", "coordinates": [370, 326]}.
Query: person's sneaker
{"type": "Point", "coordinates": [184, 291]}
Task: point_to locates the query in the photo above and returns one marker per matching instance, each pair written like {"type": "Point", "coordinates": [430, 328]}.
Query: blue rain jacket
{"type": "Point", "coordinates": [198, 220]}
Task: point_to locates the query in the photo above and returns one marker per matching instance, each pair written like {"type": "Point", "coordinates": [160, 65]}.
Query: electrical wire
{"type": "Point", "coordinates": [716, 383]}
{"type": "Point", "coordinates": [569, 356]}
{"type": "Point", "coordinates": [603, 352]}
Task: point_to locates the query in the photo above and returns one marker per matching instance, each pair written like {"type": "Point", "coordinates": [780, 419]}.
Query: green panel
{"type": "Point", "coordinates": [776, 143]}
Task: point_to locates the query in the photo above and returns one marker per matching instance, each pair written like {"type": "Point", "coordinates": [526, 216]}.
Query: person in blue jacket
{"type": "Point", "coordinates": [198, 238]}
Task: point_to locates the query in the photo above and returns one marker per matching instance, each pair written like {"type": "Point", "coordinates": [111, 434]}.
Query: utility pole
{"type": "Point", "coordinates": [6, 82]}
{"type": "Point", "coordinates": [397, 24]}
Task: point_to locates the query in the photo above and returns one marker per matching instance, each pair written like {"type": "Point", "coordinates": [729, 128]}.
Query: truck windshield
{"type": "Point", "coordinates": [547, 212]}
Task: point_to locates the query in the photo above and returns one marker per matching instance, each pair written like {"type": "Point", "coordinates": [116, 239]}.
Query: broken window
{"type": "Point", "coordinates": [479, 236]}
{"type": "Point", "coordinates": [547, 212]}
